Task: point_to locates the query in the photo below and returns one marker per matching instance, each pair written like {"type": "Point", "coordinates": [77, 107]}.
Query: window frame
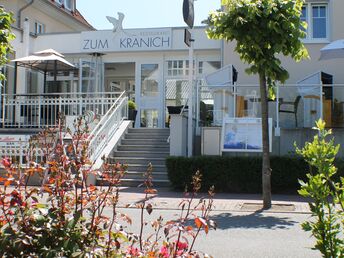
{"type": "Point", "coordinates": [39, 25]}
{"type": "Point", "coordinates": [70, 8]}
{"type": "Point", "coordinates": [60, 2]}
{"type": "Point", "coordinates": [309, 19]}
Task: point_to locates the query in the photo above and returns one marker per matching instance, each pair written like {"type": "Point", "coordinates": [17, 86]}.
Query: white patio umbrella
{"type": "Point", "coordinates": [333, 50]}
{"type": "Point", "coordinates": [44, 61]}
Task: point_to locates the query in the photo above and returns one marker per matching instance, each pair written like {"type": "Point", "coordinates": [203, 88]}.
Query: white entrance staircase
{"type": "Point", "coordinates": [139, 148]}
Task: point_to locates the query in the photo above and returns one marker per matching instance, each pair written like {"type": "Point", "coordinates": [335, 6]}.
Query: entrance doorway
{"type": "Point", "coordinates": [150, 96]}
{"type": "Point", "coordinates": [120, 77]}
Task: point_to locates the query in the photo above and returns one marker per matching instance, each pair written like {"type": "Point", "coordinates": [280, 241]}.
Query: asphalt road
{"type": "Point", "coordinates": [246, 234]}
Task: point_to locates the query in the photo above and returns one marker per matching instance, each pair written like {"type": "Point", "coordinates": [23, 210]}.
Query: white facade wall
{"type": "Point", "coordinates": [73, 41]}
{"type": "Point", "coordinates": [300, 70]}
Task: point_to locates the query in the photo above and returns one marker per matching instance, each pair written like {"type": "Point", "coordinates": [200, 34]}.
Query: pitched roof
{"type": "Point", "coordinates": [75, 14]}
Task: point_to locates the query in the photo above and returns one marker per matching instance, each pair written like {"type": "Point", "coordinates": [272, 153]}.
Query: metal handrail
{"type": "Point", "coordinates": [108, 125]}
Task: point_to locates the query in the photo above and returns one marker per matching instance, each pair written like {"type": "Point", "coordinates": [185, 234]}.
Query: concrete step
{"type": "Point", "coordinates": [145, 136]}
{"type": "Point", "coordinates": [153, 148]}
{"type": "Point", "coordinates": [165, 131]}
{"type": "Point", "coordinates": [138, 161]}
{"type": "Point", "coordinates": [140, 175]}
{"type": "Point", "coordinates": [141, 154]}
{"type": "Point", "coordinates": [137, 182]}
{"type": "Point", "coordinates": [144, 141]}
{"type": "Point", "coordinates": [143, 168]}
{"type": "Point", "coordinates": [139, 148]}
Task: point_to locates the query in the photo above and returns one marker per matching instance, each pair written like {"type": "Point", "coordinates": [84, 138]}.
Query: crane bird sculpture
{"type": "Point", "coordinates": [117, 23]}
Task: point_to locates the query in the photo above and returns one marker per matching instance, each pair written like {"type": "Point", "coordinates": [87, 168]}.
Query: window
{"type": "Point", "coordinates": [178, 67]}
{"type": "Point", "coordinates": [39, 28]}
{"type": "Point", "coordinates": [319, 21]}
{"type": "Point", "coordinates": [316, 16]}
{"type": "Point", "coordinates": [68, 4]}
{"type": "Point", "coordinates": [149, 80]}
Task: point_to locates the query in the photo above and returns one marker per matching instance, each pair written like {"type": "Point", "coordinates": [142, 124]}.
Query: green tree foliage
{"type": "Point", "coordinates": [262, 29]}
{"type": "Point", "coordinates": [6, 36]}
{"type": "Point", "coordinates": [327, 196]}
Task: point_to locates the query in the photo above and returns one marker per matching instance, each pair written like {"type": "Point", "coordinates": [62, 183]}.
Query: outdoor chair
{"type": "Point", "coordinates": [289, 107]}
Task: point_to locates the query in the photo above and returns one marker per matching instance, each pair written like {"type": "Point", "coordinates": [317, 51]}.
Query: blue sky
{"type": "Point", "coordinates": [143, 13]}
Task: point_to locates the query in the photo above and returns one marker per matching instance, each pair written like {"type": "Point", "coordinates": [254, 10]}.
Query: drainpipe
{"type": "Point", "coordinates": [26, 37]}
{"type": "Point", "coordinates": [21, 10]}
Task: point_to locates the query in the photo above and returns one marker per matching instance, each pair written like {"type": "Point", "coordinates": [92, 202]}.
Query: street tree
{"type": "Point", "coordinates": [6, 36]}
{"type": "Point", "coordinates": [262, 29]}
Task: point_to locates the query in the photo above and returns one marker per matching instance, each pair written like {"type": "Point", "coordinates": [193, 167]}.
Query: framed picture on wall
{"type": "Point", "coordinates": [243, 135]}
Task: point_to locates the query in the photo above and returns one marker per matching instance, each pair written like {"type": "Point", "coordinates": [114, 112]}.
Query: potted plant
{"type": "Point", "coordinates": [132, 112]}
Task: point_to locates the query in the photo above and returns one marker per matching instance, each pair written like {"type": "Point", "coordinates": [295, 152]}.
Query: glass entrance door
{"type": "Point", "coordinates": [149, 95]}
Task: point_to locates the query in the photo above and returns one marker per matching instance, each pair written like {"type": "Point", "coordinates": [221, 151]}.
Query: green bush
{"type": "Point", "coordinates": [239, 174]}
{"type": "Point", "coordinates": [131, 105]}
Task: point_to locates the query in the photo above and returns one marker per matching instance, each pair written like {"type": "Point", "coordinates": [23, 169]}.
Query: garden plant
{"type": "Point", "coordinates": [68, 217]}
{"type": "Point", "coordinates": [326, 194]}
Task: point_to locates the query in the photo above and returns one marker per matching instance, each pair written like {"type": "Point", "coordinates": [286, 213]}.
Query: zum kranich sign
{"type": "Point", "coordinates": [126, 40]}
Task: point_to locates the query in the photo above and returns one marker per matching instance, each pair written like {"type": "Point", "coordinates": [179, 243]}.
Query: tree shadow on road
{"type": "Point", "coordinates": [253, 220]}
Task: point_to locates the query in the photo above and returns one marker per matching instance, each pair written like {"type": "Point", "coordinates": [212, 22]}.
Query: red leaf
{"type": "Point", "coordinates": [7, 183]}
{"type": "Point", "coordinates": [151, 191]}
{"type": "Point", "coordinates": [47, 189]}
{"type": "Point", "coordinates": [206, 229]}
{"type": "Point", "coordinates": [200, 222]}
{"type": "Point", "coordinates": [188, 228]}
{"type": "Point", "coordinates": [92, 188]}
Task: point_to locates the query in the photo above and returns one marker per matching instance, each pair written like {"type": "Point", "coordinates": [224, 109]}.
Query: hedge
{"type": "Point", "coordinates": [240, 174]}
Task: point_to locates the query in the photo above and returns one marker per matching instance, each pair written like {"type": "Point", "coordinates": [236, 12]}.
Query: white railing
{"type": "Point", "coordinates": [16, 151]}
{"type": "Point", "coordinates": [111, 108]}
{"type": "Point", "coordinates": [108, 125]}
{"type": "Point", "coordinates": [39, 111]}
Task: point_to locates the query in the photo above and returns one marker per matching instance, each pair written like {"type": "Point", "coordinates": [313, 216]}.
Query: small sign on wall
{"type": "Point", "coordinates": [243, 135]}
{"type": "Point", "coordinates": [13, 140]}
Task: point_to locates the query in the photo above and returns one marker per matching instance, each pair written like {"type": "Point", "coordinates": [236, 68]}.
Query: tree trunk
{"type": "Point", "coordinates": [266, 170]}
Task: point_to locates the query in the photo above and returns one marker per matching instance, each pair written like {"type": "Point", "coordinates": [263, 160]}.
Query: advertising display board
{"type": "Point", "coordinates": [243, 134]}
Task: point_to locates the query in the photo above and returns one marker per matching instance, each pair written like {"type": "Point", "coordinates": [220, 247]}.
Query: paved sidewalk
{"type": "Point", "coordinates": [169, 199]}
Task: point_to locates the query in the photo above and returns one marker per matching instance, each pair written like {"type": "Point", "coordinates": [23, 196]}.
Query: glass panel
{"type": "Point", "coordinates": [149, 118]}
{"type": "Point", "coordinates": [176, 92]}
{"type": "Point", "coordinates": [32, 81]}
{"type": "Point", "coordinates": [68, 4]}
{"type": "Point", "coordinates": [58, 87]}
{"type": "Point", "coordinates": [338, 106]}
{"type": "Point", "coordinates": [93, 75]}
{"type": "Point", "coordinates": [315, 11]}
{"type": "Point", "coordinates": [149, 79]}
{"type": "Point", "coordinates": [304, 13]}
{"type": "Point", "coordinates": [319, 28]}
{"type": "Point", "coordinates": [319, 21]}
{"type": "Point", "coordinates": [322, 11]}
{"type": "Point", "coordinates": [200, 67]}
{"type": "Point", "coordinates": [304, 17]}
